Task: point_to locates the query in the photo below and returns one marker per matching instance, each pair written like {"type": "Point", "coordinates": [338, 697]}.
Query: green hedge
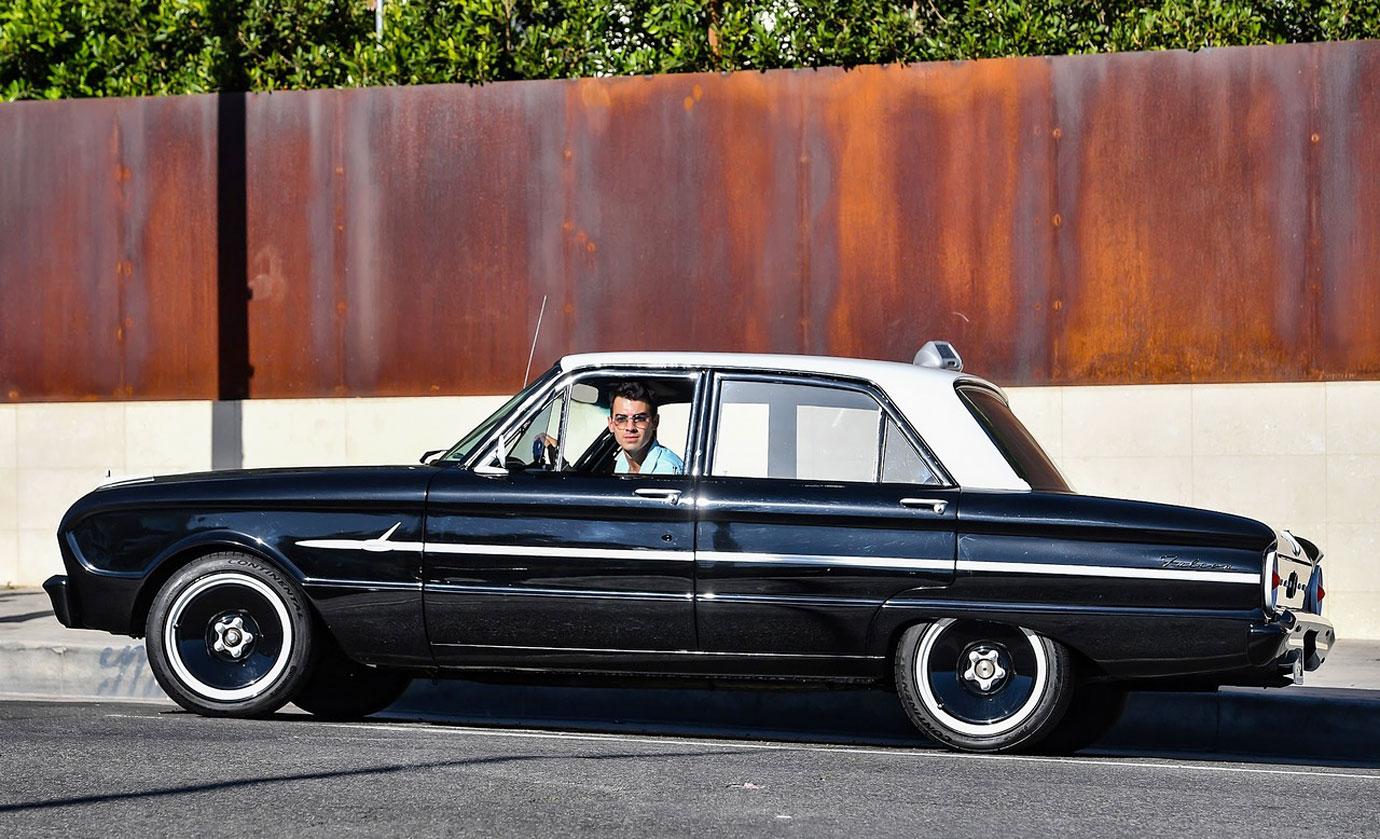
{"type": "Point", "coordinates": [63, 48]}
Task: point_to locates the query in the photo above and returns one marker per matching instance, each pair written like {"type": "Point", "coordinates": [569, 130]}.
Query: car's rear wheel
{"type": "Point", "coordinates": [229, 635]}
{"type": "Point", "coordinates": [339, 688]}
{"type": "Point", "coordinates": [981, 686]}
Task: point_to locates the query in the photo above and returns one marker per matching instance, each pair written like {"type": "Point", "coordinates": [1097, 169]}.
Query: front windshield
{"type": "Point", "coordinates": [485, 429]}
{"type": "Point", "coordinates": [1016, 444]}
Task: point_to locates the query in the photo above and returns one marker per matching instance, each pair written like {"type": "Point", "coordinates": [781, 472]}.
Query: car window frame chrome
{"type": "Point", "coordinates": [719, 375]}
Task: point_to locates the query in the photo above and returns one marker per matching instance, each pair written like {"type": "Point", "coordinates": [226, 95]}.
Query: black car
{"type": "Point", "coordinates": [810, 519]}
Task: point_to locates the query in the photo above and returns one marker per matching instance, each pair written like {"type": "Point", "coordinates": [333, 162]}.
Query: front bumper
{"type": "Point", "coordinates": [60, 592]}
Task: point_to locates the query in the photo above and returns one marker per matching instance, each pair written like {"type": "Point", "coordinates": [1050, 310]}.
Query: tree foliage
{"type": "Point", "coordinates": [67, 48]}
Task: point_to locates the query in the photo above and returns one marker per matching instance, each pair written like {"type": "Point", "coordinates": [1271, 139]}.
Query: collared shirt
{"type": "Point", "coordinates": [659, 461]}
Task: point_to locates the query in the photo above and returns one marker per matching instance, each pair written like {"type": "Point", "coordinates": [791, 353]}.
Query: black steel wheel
{"type": "Point", "coordinates": [981, 686]}
{"type": "Point", "coordinates": [229, 635]}
{"type": "Point", "coordinates": [339, 688]}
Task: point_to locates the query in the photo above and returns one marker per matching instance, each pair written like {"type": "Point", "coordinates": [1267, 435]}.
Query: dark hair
{"type": "Point", "coordinates": [634, 392]}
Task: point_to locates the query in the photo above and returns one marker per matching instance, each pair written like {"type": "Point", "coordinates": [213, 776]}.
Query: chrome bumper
{"type": "Point", "coordinates": [1291, 644]}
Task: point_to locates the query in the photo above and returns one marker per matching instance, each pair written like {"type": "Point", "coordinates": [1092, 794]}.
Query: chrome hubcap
{"type": "Point", "coordinates": [232, 639]}
{"type": "Point", "coordinates": [228, 636]}
{"type": "Point", "coordinates": [978, 678]}
{"type": "Point", "coordinates": [984, 669]}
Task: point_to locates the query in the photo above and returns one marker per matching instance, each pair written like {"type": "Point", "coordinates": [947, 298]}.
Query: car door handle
{"type": "Point", "coordinates": [936, 505]}
{"type": "Point", "coordinates": [671, 495]}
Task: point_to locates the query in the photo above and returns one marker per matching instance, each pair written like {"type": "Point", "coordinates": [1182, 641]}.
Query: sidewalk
{"type": "Point", "coordinates": [1335, 715]}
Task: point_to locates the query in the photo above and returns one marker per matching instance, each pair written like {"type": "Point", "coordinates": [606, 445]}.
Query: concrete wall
{"type": "Point", "coordinates": [1301, 456]}
{"type": "Point", "coordinates": [1305, 457]}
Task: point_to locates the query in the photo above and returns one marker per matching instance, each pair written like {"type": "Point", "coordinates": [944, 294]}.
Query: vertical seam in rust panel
{"type": "Point", "coordinates": [804, 242]}
{"type": "Point", "coordinates": [568, 218]}
{"type": "Point", "coordinates": [123, 263]}
{"type": "Point", "coordinates": [1053, 328]}
{"type": "Point", "coordinates": [339, 286]}
{"type": "Point", "coordinates": [1313, 263]}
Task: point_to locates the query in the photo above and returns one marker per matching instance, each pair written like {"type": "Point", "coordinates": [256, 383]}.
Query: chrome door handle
{"type": "Point", "coordinates": [936, 505]}
{"type": "Point", "coordinates": [671, 495]}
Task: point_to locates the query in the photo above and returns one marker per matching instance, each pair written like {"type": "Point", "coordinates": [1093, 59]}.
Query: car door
{"type": "Point", "coordinates": [817, 505]}
{"type": "Point", "coordinates": [556, 566]}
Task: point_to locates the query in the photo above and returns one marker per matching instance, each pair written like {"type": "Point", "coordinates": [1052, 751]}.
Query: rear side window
{"type": "Point", "coordinates": [1016, 444]}
{"type": "Point", "coordinates": [810, 432]}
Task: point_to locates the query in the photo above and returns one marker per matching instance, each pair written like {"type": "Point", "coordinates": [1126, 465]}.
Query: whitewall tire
{"type": "Point", "coordinates": [229, 635]}
{"type": "Point", "coordinates": [982, 686]}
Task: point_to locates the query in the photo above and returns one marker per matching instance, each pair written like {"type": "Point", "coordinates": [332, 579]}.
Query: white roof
{"type": "Point", "coordinates": [925, 395]}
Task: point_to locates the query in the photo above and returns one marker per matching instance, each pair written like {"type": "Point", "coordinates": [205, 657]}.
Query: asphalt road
{"type": "Point", "coordinates": [75, 768]}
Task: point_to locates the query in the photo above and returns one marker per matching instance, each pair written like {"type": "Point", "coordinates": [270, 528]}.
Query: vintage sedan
{"type": "Point", "coordinates": [811, 519]}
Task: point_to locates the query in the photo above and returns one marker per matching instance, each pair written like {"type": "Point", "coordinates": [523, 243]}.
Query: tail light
{"type": "Point", "coordinates": [1314, 599]}
{"type": "Point", "coordinates": [1269, 580]}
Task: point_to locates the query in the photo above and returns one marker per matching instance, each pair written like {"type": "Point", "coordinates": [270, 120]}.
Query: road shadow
{"type": "Point", "coordinates": [1170, 725]}
{"type": "Point", "coordinates": [366, 771]}
{"type": "Point", "coordinates": [26, 616]}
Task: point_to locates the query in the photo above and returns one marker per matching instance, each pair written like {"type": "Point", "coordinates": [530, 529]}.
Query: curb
{"type": "Point", "coordinates": [77, 671]}
{"type": "Point", "coordinates": [1298, 722]}
{"type": "Point", "coordinates": [1329, 724]}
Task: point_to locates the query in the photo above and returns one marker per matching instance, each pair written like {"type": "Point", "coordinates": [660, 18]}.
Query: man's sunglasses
{"type": "Point", "coordinates": [639, 420]}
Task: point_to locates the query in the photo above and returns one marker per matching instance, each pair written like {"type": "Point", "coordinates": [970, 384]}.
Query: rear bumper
{"type": "Point", "coordinates": [64, 606]}
{"type": "Point", "coordinates": [1283, 649]}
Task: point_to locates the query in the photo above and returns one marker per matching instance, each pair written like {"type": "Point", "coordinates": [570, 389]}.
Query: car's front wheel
{"type": "Point", "coordinates": [981, 686]}
{"type": "Point", "coordinates": [229, 635]}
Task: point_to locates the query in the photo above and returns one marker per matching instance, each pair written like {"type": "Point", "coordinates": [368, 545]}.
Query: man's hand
{"type": "Point", "coordinates": [544, 450]}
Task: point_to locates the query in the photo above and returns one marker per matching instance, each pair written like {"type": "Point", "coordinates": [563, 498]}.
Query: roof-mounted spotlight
{"type": "Point", "coordinates": [940, 355]}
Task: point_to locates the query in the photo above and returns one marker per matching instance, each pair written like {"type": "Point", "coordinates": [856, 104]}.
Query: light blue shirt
{"type": "Point", "coordinates": [659, 461]}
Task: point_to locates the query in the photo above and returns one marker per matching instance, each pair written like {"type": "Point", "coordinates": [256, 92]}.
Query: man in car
{"type": "Point", "coordinates": [632, 422]}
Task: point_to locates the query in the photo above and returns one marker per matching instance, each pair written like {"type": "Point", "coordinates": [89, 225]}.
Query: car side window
{"type": "Point", "coordinates": [590, 446]}
{"type": "Point", "coordinates": [536, 441]}
{"type": "Point", "coordinates": [901, 463]}
{"type": "Point", "coordinates": [814, 432]}
{"type": "Point", "coordinates": [800, 431]}
{"type": "Point", "coordinates": [571, 430]}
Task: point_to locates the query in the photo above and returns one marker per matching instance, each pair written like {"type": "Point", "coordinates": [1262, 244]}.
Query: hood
{"type": "Point", "coordinates": [306, 487]}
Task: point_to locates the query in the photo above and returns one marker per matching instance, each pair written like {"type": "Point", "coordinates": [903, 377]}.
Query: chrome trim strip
{"type": "Point", "coordinates": [960, 607]}
{"type": "Point", "coordinates": [895, 563]}
{"type": "Point", "coordinates": [880, 562]}
{"type": "Point", "coordinates": [657, 652]}
{"type": "Point", "coordinates": [505, 591]}
{"type": "Point", "coordinates": [384, 544]}
{"type": "Point", "coordinates": [365, 584]}
{"type": "Point", "coordinates": [370, 545]}
{"type": "Point", "coordinates": [789, 600]}
{"type": "Point", "coordinates": [998, 567]}
{"type": "Point", "coordinates": [553, 551]}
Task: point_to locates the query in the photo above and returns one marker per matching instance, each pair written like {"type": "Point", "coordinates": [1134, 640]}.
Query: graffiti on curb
{"type": "Point", "coordinates": [125, 673]}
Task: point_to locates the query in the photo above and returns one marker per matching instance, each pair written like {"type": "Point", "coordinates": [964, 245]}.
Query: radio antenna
{"type": "Point", "coordinates": [535, 333]}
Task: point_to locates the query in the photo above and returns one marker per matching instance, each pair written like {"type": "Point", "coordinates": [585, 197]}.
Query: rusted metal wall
{"type": "Point", "coordinates": [1168, 217]}
{"type": "Point", "coordinates": [108, 249]}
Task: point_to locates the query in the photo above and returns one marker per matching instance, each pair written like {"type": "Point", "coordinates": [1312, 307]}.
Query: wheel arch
{"type": "Point", "coordinates": [186, 551]}
{"type": "Point", "coordinates": [886, 632]}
